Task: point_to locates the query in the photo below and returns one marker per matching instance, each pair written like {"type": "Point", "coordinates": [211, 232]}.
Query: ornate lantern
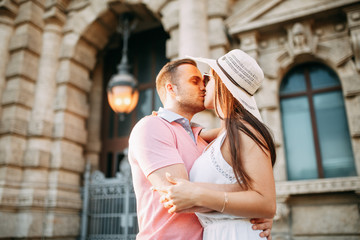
{"type": "Point", "coordinates": [122, 88]}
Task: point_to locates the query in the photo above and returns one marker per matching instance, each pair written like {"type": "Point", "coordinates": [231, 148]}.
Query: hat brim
{"type": "Point", "coordinates": [242, 96]}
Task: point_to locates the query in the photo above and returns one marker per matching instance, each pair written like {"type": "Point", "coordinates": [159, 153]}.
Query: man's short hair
{"type": "Point", "coordinates": [168, 73]}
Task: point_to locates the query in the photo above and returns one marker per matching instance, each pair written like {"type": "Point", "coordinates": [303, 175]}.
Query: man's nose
{"type": "Point", "coordinates": [202, 86]}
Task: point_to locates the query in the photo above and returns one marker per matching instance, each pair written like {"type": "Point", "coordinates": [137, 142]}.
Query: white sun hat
{"type": "Point", "coordinates": [241, 75]}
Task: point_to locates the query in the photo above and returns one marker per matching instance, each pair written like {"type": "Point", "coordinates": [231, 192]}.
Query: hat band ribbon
{"type": "Point", "coordinates": [230, 78]}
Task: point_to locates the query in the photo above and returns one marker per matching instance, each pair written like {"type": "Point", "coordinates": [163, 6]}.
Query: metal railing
{"type": "Point", "coordinates": [109, 206]}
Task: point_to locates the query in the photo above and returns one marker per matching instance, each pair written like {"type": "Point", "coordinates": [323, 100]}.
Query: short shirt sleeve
{"type": "Point", "coordinates": [152, 144]}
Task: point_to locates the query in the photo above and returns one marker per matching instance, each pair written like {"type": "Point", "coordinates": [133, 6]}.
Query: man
{"type": "Point", "coordinates": [169, 143]}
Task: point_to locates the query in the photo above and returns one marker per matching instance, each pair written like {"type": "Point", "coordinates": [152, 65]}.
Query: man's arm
{"type": "Point", "coordinates": [158, 177]}
{"type": "Point", "coordinates": [158, 180]}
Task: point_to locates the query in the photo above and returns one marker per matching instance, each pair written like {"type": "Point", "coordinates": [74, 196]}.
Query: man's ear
{"type": "Point", "coordinates": [170, 88]}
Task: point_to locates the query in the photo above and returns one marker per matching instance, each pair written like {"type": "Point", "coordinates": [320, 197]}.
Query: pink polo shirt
{"type": "Point", "coordinates": [156, 143]}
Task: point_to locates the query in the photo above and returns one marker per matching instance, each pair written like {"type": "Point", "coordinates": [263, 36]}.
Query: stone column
{"type": "Point", "coordinates": [193, 36]}
{"type": "Point", "coordinates": [93, 146]}
{"type": "Point", "coordinates": [71, 110]}
{"type": "Point", "coordinates": [218, 40]}
{"type": "Point", "coordinates": [8, 174]}
{"type": "Point", "coordinates": [39, 145]}
{"type": "Point", "coordinates": [42, 115]}
{"type": "Point", "coordinates": [193, 28]}
{"type": "Point", "coordinates": [170, 21]}
{"type": "Point", "coordinates": [17, 101]}
{"type": "Point", "coordinates": [8, 11]}
{"type": "Point", "coordinates": [21, 74]}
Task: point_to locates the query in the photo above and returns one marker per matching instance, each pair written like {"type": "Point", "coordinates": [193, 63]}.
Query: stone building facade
{"type": "Point", "coordinates": [52, 84]}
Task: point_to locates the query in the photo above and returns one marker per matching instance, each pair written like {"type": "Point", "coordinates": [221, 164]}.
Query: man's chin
{"type": "Point", "coordinates": [202, 108]}
{"type": "Point", "coordinates": [197, 109]}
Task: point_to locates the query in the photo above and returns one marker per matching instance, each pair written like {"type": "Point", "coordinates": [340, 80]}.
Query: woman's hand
{"type": "Point", "coordinates": [210, 134]}
{"type": "Point", "coordinates": [180, 196]}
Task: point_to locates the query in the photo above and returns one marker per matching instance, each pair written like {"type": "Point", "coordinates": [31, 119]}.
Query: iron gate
{"type": "Point", "coordinates": [109, 206]}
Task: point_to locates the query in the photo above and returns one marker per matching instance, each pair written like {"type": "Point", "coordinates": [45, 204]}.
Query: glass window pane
{"type": "Point", "coordinates": [161, 59]}
{"type": "Point", "coordinates": [111, 123]}
{"type": "Point", "coordinates": [119, 158]}
{"type": "Point", "coordinates": [157, 101]}
{"type": "Point", "coordinates": [321, 77]}
{"type": "Point", "coordinates": [109, 161]}
{"type": "Point", "coordinates": [298, 137]}
{"type": "Point", "coordinates": [144, 64]}
{"type": "Point", "coordinates": [294, 82]}
{"type": "Point", "coordinates": [124, 125]}
{"type": "Point", "coordinates": [335, 145]}
{"type": "Point", "coordinates": [144, 106]}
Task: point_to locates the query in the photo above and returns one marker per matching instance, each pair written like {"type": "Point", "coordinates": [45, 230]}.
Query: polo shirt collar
{"type": "Point", "coordinates": [170, 116]}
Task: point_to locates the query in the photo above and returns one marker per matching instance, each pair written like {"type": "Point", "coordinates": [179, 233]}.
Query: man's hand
{"type": "Point", "coordinates": [263, 224]}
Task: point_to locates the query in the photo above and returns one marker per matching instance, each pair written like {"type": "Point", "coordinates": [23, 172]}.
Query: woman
{"type": "Point", "coordinates": [243, 152]}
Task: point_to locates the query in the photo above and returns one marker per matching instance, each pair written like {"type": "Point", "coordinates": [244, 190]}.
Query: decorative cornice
{"type": "Point", "coordinates": [240, 26]}
{"type": "Point", "coordinates": [353, 16]}
{"type": "Point", "coordinates": [257, 9]}
{"type": "Point", "coordinates": [328, 185]}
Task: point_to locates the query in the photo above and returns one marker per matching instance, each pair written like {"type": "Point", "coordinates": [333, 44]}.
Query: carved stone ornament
{"type": "Point", "coordinates": [300, 39]}
{"type": "Point", "coordinates": [353, 17]}
{"type": "Point", "coordinates": [355, 40]}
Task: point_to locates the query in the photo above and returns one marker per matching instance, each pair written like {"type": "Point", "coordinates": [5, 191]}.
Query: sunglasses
{"type": "Point", "coordinates": [207, 77]}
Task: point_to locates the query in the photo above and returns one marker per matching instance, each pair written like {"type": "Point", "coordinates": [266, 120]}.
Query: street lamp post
{"type": "Point", "coordinates": [122, 88]}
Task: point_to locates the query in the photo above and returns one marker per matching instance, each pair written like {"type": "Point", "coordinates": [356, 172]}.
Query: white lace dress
{"type": "Point", "coordinates": [211, 167]}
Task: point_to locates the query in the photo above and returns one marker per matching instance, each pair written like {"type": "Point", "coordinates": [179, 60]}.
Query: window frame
{"type": "Point", "coordinates": [309, 93]}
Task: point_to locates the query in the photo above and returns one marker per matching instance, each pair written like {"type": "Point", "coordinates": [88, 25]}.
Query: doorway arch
{"type": "Point", "coordinates": [89, 32]}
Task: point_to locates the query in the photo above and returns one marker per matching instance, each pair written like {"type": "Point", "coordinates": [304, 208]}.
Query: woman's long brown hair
{"type": "Point", "coordinates": [235, 119]}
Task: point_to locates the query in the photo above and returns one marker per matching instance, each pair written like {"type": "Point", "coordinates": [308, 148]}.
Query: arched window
{"type": "Point", "coordinates": [316, 134]}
